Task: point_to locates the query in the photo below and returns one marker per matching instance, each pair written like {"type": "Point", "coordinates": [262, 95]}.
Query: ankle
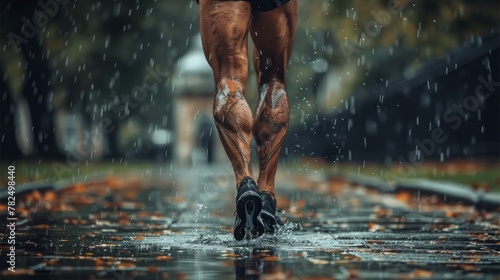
{"type": "Point", "coordinates": [242, 180]}
{"type": "Point", "coordinates": [269, 192]}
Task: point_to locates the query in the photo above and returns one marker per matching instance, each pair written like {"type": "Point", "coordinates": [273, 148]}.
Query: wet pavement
{"type": "Point", "coordinates": [177, 224]}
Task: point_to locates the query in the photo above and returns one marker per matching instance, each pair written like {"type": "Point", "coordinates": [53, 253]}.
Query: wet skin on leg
{"type": "Point", "coordinates": [273, 34]}
{"type": "Point", "coordinates": [224, 32]}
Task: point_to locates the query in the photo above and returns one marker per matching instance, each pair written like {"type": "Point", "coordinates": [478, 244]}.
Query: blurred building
{"type": "Point", "coordinates": [193, 86]}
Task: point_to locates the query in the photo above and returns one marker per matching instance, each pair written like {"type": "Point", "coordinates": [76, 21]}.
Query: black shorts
{"type": "Point", "coordinates": [265, 5]}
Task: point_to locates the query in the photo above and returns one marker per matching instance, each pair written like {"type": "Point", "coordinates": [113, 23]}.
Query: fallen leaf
{"type": "Point", "coordinates": [452, 214]}
{"type": "Point", "coordinates": [52, 262]}
{"type": "Point", "coordinates": [42, 226]}
{"type": "Point", "coordinates": [375, 227]}
{"type": "Point", "coordinates": [351, 257]}
{"type": "Point", "coordinates": [50, 196]}
{"type": "Point", "coordinates": [99, 262]}
{"type": "Point", "coordinates": [19, 271]}
{"type": "Point", "coordinates": [116, 238]}
{"type": "Point", "coordinates": [271, 258]}
{"type": "Point", "coordinates": [379, 211]}
{"type": "Point", "coordinates": [228, 255]}
{"type": "Point", "coordinates": [123, 222]}
{"type": "Point", "coordinates": [420, 273]}
{"type": "Point", "coordinates": [126, 265]}
{"type": "Point", "coordinates": [164, 258]}
{"type": "Point", "coordinates": [403, 196]}
{"type": "Point", "coordinates": [130, 195]}
{"type": "Point", "coordinates": [152, 269]}
{"type": "Point", "coordinates": [139, 237]}
{"type": "Point", "coordinates": [466, 267]}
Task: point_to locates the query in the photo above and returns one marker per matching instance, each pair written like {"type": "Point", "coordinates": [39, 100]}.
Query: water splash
{"type": "Point", "coordinates": [200, 210]}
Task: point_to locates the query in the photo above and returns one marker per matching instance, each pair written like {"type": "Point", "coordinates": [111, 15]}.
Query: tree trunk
{"type": "Point", "coordinates": [9, 149]}
{"type": "Point", "coordinates": [38, 91]}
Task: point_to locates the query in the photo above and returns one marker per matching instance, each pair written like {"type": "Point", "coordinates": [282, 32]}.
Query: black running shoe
{"type": "Point", "coordinates": [269, 213]}
{"type": "Point", "coordinates": [248, 223]}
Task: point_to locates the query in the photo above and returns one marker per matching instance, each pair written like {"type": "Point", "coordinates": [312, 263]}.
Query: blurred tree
{"type": "Point", "coordinates": [24, 20]}
{"type": "Point", "coordinates": [400, 33]}
{"type": "Point", "coordinates": [9, 149]}
{"type": "Point", "coordinates": [113, 47]}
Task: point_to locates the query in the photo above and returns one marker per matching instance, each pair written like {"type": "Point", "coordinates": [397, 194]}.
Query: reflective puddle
{"type": "Point", "coordinates": [164, 233]}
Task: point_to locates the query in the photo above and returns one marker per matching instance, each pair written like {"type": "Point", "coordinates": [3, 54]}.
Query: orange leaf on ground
{"type": "Point", "coordinates": [126, 265]}
{"type": "Point", "coordinates": [130, 195]}
{"type": "Point", "coordinates": [36, 195]}
{"type": "Point", "coordinates": [152, 269]}
{"type": "Point", "coordinates": [271, 258]}
{"type": "Point", "coordinates": [123, 222]}
{"type": "Point", "coordinates": [466, 267]}
{"type": "Point", "coordinates": [164, 258]}
{"type": "Point", "coordinates": [351, 257]}
{"type": "Point", "coordinates": [52, 262]}
{"type": "Point", "coordinates": [50, 196]}
{"type": "Point", "coordinates": [404, 196]}
{"type": "Point", "coordinates": [116, 238]}
{"type": "Point", "coordinates": [420, 273]}
{"type": "Point", "coordinates": [83, 200]}
{"type": "Point", "coordinates": [375, 227]}
{"type": "Point", "coordinates": [42, 226]}
{"type": "Point", "coordinates": [374, 242]}
{"type": "Point", "coordinates": [336, 185]}
{"type": "Point", "coordinates": [379, 211]}
{"type": "Point", "coordinates": [452, 214]}
{"type": "Point", "coordinates": [77, 188]}
{"type": "Point", "coordinates": [99, 262]}
{"type": "Point", "coordinates": [139, 237]}
{"type": "Point", "coordinates": [19, 271]}
{"type": "Point", "coordinates": [112, 182]}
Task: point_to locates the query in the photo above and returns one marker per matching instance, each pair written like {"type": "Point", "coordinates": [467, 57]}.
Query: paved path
{"type": "Point", "coordinates": [178, 226]}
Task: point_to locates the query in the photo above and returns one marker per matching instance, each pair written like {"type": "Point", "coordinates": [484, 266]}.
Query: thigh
{"type": "Point", "coordinates": [224, 27]}
{"type": "Point", "coordinates": [273, 34]}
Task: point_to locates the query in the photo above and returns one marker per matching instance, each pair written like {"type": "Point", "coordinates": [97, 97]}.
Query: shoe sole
{"type": "Point", "coordinates": [270, 222]}
{"type": "Point", "coordinates": [248, 210]}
